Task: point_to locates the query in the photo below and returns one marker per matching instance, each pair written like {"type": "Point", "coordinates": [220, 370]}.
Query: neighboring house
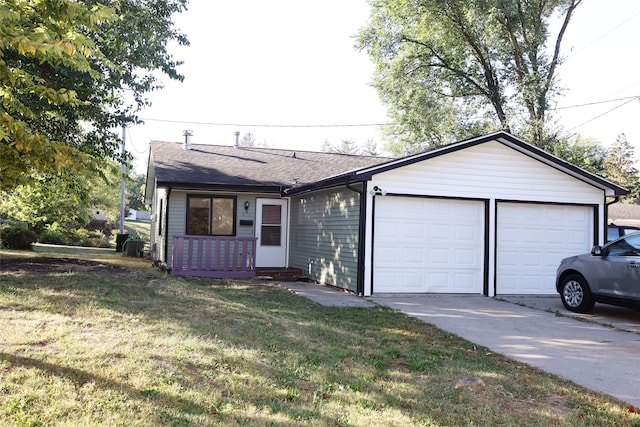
{"type": "Point", "coordinates": [489, 215]}
{"type": "Point", "coordinates": [99, 215]}
{"type": "Point", "coordinates": [624, 214]}
{"type": "Point", "coordinates": [136, 215]}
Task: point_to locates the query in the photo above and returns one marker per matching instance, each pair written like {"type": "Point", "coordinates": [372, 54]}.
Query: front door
{"type": "Point", "coordinates": [271, 231]}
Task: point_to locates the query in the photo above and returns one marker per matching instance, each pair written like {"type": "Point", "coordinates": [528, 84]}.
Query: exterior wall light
{"type": "Point", "coordinates": [246, 205]}
{"type": "Point", "coordinates": [377, 191]}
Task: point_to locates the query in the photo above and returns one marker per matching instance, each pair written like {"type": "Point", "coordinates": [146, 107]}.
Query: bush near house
{"type": "Point", "coordinates": [55, 234]}
{"type": "Point", "coordinates": [17, 237]}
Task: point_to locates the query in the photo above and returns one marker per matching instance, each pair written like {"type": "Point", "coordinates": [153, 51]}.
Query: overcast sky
{"type": "Point", "coordinates": [253, 63]}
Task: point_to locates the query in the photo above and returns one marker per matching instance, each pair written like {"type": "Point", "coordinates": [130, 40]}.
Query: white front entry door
{"type": "Point", "coordinates": [271, 231]}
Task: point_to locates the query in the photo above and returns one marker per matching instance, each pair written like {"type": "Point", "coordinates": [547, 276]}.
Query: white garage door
{"type": "Point", "coordinates": [428, 245]}
{"type": "Point", "coordinates": [531, 241]}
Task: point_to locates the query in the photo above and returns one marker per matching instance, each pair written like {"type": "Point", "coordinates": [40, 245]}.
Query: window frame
{"type": "Point", "coordinates": [211, 212]}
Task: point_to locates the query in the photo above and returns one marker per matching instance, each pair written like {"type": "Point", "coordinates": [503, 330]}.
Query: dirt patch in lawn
{"type": "Point", "coordinates": [57, 265]}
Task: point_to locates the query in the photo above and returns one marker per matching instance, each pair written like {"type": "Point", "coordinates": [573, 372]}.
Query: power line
{"type": "Point", "coordinates": [602, 36]}
{"type": "Point", "coordinates": [264, 125]}
{"type": "Point", "coordinates": [600, 115]}
{"type": "Point", "coordinates": [134, 146]}
{"type": "Point", "coordinates": [596, 102]}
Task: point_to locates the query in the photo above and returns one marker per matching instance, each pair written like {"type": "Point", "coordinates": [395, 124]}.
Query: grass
{"type": "Point", "coordinates": [137, 228]}
{"type": "Point", "coordinates": [101, 339]}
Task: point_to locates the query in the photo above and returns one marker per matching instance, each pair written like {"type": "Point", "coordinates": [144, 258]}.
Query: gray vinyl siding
{"type": "Point", "coordinates": [324, 236]}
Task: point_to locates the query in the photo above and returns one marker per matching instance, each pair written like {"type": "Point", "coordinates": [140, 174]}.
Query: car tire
{"type": "Point", "coordinates": [576, 295]}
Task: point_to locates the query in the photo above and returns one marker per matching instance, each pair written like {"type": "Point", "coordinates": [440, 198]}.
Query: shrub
{"type": "Point", "coordinates": [16, 237]}
{"type": "Point", "coordinates": [54, 234]}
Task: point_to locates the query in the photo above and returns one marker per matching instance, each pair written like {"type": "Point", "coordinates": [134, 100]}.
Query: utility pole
{"type": "Point", "coordinates": [122, 237]}
{"type": "Point", "coordinates": [123, 170]}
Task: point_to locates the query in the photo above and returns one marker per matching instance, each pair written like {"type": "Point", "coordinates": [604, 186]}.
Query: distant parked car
{"type": "Point", "coordinates": [610, 274]}
{"type": "Point", "coordinates": [614, 231]}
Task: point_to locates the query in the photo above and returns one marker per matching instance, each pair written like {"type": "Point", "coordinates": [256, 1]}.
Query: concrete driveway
{"type": "Point", "coordinates": [591, 350]}
{"type": "Point", "coordinates": [600, 351]}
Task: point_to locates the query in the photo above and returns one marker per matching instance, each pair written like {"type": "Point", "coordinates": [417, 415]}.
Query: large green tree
{"type": "Point", "coordinates": [450, 69]}
{"type": "Point", "coordinates": [71, 74]}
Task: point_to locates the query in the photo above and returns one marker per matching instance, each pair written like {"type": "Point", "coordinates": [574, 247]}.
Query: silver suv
{"type": "Point", "coordinates": [610, 274]}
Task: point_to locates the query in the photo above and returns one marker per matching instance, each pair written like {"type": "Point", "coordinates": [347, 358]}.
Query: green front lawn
{"type": "Point", "coordinates": [103, 339]}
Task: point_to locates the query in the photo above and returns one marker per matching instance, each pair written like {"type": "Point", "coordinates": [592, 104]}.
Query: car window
{"type": "Point", "coordinates": [612, 233]}
{"type": "Point", "coordinates": [629, 246]}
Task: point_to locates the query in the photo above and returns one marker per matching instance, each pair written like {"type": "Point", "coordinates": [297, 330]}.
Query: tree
{"type": "Point", "coordinates": [66, 199]}
{"type": "Point", "coordinates": [586, 153]}
{"type": "Point", "coordinates": [135, 188]}
{"type": "Point", "coordinates": [346, 146]}
{"type": "Point", "coordinates": [619, 168]}
{"type": "Point", "coordinates": [248, 140]}
{"type": "Point", "coordinates": [450, 69]}
{"type": "Point", "coordinates": [71, 74]}
{"type": "Point", "coordinates": [370, 148]}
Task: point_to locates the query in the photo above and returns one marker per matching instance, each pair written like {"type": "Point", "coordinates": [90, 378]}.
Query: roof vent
{"type": "Point", "coordinates": [187, 139]}
{"type": "Point", "coordinates": [237, 140]}
{"type": "Point", "coordinates": [294, 155]}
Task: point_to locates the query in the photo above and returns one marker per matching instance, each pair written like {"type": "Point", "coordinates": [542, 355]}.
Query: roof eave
{"type": "Point", "coordinates": [275, 189]}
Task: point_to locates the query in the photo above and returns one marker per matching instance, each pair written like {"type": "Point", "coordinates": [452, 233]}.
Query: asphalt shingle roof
{"type": "Point", "coordinates": [248, 166]}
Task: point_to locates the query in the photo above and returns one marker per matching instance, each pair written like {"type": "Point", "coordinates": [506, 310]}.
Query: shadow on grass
{"type": "Point", "coordinates": [256, 345]}
{"type": "Point", "coordinates": [80, 378]}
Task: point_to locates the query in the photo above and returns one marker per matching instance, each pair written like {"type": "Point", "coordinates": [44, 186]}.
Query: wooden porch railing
{"type": "Point", "coordinates": [214, 256]}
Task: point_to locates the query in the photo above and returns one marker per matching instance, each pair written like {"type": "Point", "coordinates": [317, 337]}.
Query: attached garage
{"type": "Point", "coordinates": [491, 216]}
{"type": "Point", "coordinates": [533, 238]}
{"type": "Point", "coordinates": [428, 245]}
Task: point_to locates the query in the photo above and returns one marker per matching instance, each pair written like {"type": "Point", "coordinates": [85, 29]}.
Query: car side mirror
{"type": "Point", "coordinates": [596, 251]}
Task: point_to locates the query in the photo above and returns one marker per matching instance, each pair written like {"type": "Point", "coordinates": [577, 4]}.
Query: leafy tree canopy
{"type": "Point", "coordinates": [135, 188]}
{"type": "Point", "coordinates": [586, 153]}
{"type": "Point", "coordinates": [451, 69]}
{"type": "Point", "coordinates": [72, 73]}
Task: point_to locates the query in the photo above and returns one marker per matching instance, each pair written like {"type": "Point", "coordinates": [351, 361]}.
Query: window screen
{"type": "Point", "coordinates": [271, 225]}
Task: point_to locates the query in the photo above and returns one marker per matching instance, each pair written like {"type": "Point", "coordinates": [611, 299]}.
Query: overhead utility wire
{"type": "Point", "coordinates": [629, 98]}
{"type": "Point", "coordinates": [601, 37]}
{"type": "Point", "coordinates": [596, 103]}
{"type": "Point", "coordinates": [264, 125]}
{"type": "Point", "coordinates": [600, 115]}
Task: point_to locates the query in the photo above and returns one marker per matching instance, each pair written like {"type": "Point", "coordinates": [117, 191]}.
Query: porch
{"type": "Point", "coordinates": [214, 257]}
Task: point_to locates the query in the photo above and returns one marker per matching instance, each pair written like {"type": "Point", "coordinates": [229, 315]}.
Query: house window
{"type": "Point", "coordinates": [211, 215]}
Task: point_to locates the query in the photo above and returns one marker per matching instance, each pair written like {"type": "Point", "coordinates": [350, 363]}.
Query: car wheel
{"type": "Point", "coordinates": [576, 295]}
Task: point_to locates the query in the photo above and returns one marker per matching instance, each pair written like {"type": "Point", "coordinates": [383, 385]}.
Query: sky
{"type": "Point", "coordinates": [287, 71]}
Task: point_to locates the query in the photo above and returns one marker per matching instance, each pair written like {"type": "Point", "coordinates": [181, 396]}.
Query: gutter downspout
{"type": "Point", "coordinates": [615, 200]}
{"type": "Point", "coordinates": [361, 235]}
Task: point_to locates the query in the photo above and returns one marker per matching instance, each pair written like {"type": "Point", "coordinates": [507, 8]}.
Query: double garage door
{"type": "Point", "coordinates": [425, 245]}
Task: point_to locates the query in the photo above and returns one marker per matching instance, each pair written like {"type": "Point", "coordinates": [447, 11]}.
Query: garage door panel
{"type": "Point", "coordinates": [438, 247]}
{"type": "Point", "coordinates": [531, 241]}
{"type": "Point", "coordinates": [465, 258]}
